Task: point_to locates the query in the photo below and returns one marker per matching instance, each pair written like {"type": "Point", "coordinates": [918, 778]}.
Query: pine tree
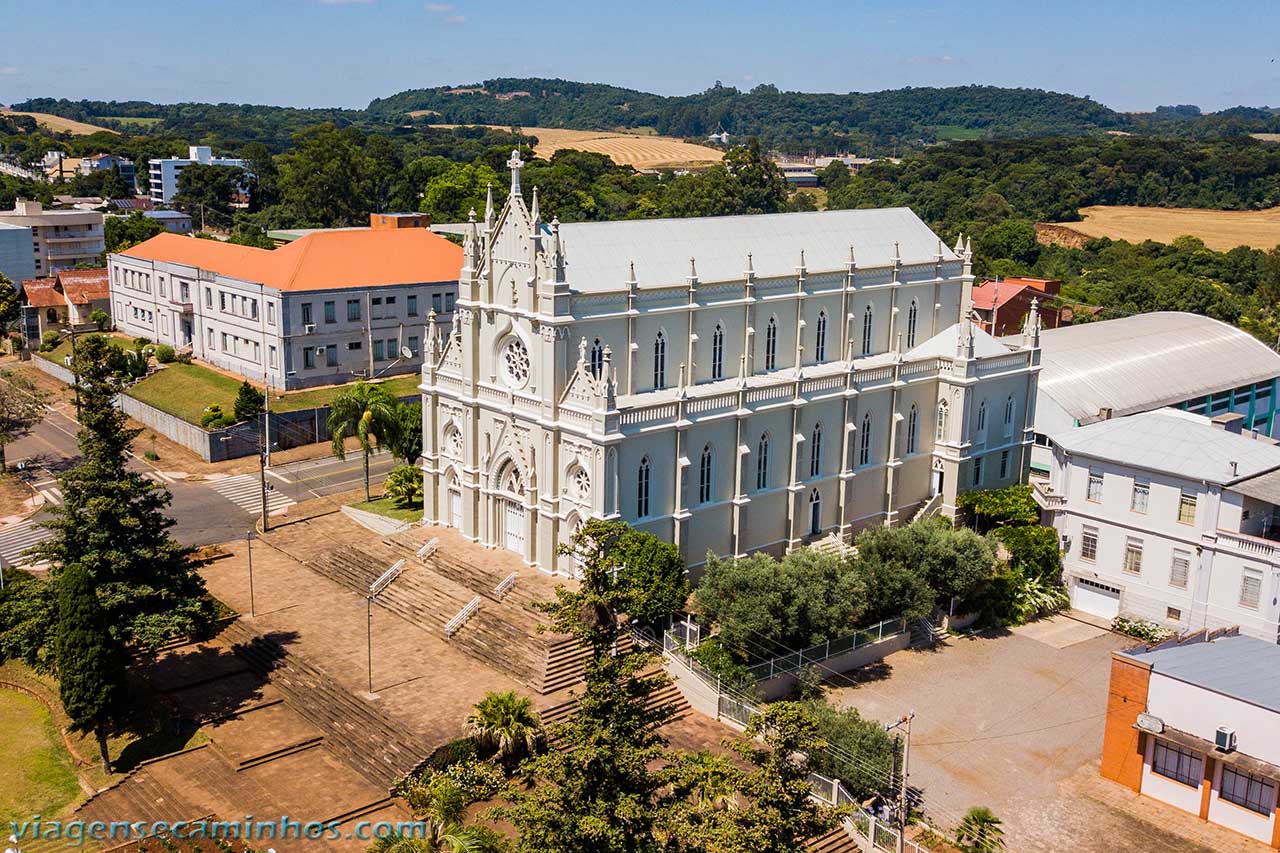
{"type": "Point", "coordinates": [249, 402]}
{"type": "Point", "coordinates": [596, 791]}
{"type": "Point", "coordinates": [90, 662]}
{"type": "Point", "coordinates": [112, 525]}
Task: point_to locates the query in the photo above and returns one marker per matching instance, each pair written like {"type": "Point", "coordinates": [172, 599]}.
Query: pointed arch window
{"type": "Point", "coordinates": [642, 488]}
{"type": "Point", "coordinates": [717, 352]}
{"type": "Point", "coordinates": [1008, 416]}
{"type": "Point", "coordinates": [820, 343]}
{"type": "Point", "coordinates": [982, 421]}
{"type": "Point", "coordinates": [868, 326]}
{"type": "Point", "coordinates": [597, 358]}
{"type": "Point", "coordinates": [864, 441]}
{"type": "Point", "coordinates": [815, 451]}
{"type": "Point", "coordinates": [762, 462]}
{"type": "Point", "coordinates": [940, 432]}
{"type": "Point", "coordinates": [771, 345]}
{"type": "Point", "coordinates": [660, 361]}
{"type": "Point", "coordinates": [704, 476]}
{"type": "Point", "coordinates": [911, 429]}
{"type": "Point", "coordinates": [912, 316]}
{"type": "Point", "coordinates": [815, 513]}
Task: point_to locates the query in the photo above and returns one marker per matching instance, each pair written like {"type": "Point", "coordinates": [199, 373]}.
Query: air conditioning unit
{"type": "Point", "coordinates": [1225, 739]}
{"type": "Point", "coordinates": [309, 329]}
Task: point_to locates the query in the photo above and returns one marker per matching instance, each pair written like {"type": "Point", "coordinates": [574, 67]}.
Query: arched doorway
{"type": "Point", "coordinates": [455, 502]}
{"type": "Point", "coordinates": [512, 521]}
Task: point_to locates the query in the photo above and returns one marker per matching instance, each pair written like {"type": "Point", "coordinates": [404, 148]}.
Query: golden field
{"type": "Point", "coordinates": [58, 124]}
{"type": "Point", "coordinates": [627, 149]}
{"type": "Point", "coordinates": [1219, 229]}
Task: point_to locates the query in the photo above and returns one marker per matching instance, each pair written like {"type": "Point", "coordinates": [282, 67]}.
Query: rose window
{"type": "Point", "coordinates": [582, 485]}
{"type": "Point", "coordinates": [515, 362]}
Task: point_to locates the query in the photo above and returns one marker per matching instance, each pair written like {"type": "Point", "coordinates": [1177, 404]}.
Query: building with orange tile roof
{"type": "Point", "coordinates": [329, 307]}
{"type": "Point", "coordinates": [1002, 305]}
{"type": "Point", "coordinates": [67, 299]}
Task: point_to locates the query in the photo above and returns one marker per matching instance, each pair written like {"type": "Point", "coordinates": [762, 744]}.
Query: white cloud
{"type": "Point", "coordinates": [439, 8]}
{"type": "Point", "coordinates": [446, 13]}
{"type": "Point", "coordinates": [8, 70]}
{"type": "Point", "coordinates": [944, 59]}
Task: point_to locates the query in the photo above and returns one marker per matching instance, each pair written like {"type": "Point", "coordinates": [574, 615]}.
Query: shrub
{"type": "Point", "coordinates": [222, 422]}
{"type": "Point", "coordinates": [722, 663]}
{"type": "Point", "coordinates": [100, 318]}
{"type": "Point", "coordinates": [404, 485]}
{"type": "Point", "coordinates": [1033, 597]}
{"type": "Point", "coordinates": [211, 413]}
{"type": "Point", "coordinates": [49, 340]}
{"type": "Point", "coordinates": [1141, 629]}
{"type": "Point", "coordinates": [249, 402]}
{"type": "Point", "coordinates": [140, 342]}
{"type": "Point", "coordinates": [165, 354]}
{"type": "Point", "coordinates": [151, 456]}
{"type": "Point", "coordinates": [876, 752]}
{"type": "Point", "coordinates": [183, 357]}
{"type": "Point", "coordinates": [1033, 550]}
{"type": "Point", "coordinates": [1010, 506]}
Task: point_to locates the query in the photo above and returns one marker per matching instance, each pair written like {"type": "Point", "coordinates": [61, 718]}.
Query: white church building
{"type": "Point", "coordinates": [729, 384]}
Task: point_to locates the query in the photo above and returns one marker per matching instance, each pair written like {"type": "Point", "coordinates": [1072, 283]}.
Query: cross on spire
{"type": "Point", "coordinates": [515, 164]}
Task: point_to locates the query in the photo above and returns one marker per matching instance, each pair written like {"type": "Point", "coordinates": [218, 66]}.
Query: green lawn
{"type": "Point", "coordinates": [140, 121]}
{"type": "Point", "coordinates": [39, 777]}
{"type": "Point", "coordinates": [400, 386]}
{"type": "Point", "coordinates": [63, 348]}
{"type": "Point", "coordinates": [391, 509]}
{"type": "Point", "coordinates": [184, 390]}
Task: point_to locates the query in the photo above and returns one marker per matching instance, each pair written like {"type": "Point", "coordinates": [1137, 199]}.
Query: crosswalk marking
{"type": "Point", "coordinates": [52, 495]}
{"type": "Point", "coordinates": [16, 538]}
{"type": "Point", "coordinates": [245, 491]}
{"type": "Point", "coordinates": [159, 477]}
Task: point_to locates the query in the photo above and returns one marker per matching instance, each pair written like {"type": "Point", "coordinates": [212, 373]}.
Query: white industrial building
{"type": "Point", "coordinates": [729, 384]}
{"type": "Point", "coordinates": [1171, 517]}
{"type": "Point", "coordinates": [163, 173]}
{"type": "Point", "coordinates": [1093, 371]}
{"type": "Point", "coordinates": [60, 239]}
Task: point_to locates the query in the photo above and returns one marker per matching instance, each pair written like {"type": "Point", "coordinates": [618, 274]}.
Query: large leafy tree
{"type": "Point", "coordinates": [405, 442]}
{"type": "Point", "coordinates": [647, 575]}
{"type": "Point", "coordinates": [205, 193]}
{"type": "Point", "coordinates": [369, 413]}
{"type": "Point", "coordinates": [10, 303]}
{"type": "Point", "coordinates": [325, 178]}
{"type": "Point", "coordinates": [123, 232]}
{"type": "Point", "coordinates": [112, 524]}
{"type": "Point", "coordinates": [597, 791]}
{"type": "Point", "coordinates": [90, 661]}
{"type": "Point", "coordinates": [21, 408]}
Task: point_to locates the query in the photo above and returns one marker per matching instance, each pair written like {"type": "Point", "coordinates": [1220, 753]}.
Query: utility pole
{"type": "Point", "coordinates": [248, 538]}
{"type": "Point", "coordinates": [903, 808]}
{"type": "Point", "coordinates": [262, 476]}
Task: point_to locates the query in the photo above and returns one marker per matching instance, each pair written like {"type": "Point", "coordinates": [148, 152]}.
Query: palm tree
{"type": "Point", "coordinates": [507, 722]}
{"type": "Point", "coordinates": [980, 832]}
{"type": "Point", "coordinates": [707, 780]}
{"type": "Point", "coordinates": [440, 804]}
{"type": "Point", "coordinates": [456, 838]}
{"type": "Point", "coordinates": [368, 412]}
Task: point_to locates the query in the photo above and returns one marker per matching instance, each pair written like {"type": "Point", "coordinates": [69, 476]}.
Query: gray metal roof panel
{"type": "Point", "coordinates": [597, 254]}
{"type": "Point", "coordinates": [1237, 666]}
{"type": "Point", "coordinates": [1179, 443]}
{"type": "Point", "coordinates": [1146, 361]}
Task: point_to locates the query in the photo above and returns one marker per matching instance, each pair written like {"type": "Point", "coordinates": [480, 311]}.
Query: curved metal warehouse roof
{"type": "Point", "coordinates": [1147, 361]}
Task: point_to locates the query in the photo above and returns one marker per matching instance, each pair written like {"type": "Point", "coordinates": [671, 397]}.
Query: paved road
{"type": "Point", "coordinates": [317, 478]}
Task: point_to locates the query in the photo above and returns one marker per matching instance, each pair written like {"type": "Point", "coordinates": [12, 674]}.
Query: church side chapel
{"type": "Point", "coordinates": [729, 384]}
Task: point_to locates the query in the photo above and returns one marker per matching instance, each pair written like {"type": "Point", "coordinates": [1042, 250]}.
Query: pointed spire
{"type": "Point", "coordinates": [802, 265]}
{"type": "Point", "coordinates": [631, 280]}
{"type": "Point", "coordinates": [470, 248]}
{"type": "Point", "coordinates": [432, 337]}
{"type": "Point", "coordinates": [557, 248]}
{"type": "Point", "coordinates": [693, 270]}
{"type": "Point", "coordinates": [937, 256]}
{"type": "Point", "coordinates": [853, 260]}
{"type": "Point", "coordinates": [968, 247]}
{"type": "Point", "coordinates": [751, 267]}
{"type": "Point", "coordinates": [488, 206]}
{"type": "Point", "coordinates": [897, 253]}
{"type": "Point", "coordinates": [534, 213]}
{"type": "Point", "coordinates": [959, 248]}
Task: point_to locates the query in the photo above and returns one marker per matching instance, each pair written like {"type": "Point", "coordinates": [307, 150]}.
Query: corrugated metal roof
{"type": "Point", "coordinates": [597, 254]}
{"type": "Point", "coordinates": [1180, 443]}
{"type": "Point", "coordinates": [1242, 667]}
{"type": "Point", "coordinates": [1146, 361]}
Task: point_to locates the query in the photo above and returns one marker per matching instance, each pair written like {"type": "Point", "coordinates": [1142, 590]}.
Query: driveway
{"type": "Point", "coordinates": [1013, 720]}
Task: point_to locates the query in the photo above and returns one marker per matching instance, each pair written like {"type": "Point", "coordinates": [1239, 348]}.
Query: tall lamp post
{"type": "Point", "coordinates": [375, 589]}
{"type": "Point", "coordinates": [905, 723]}
{"type": "Point", "coordinates": [248, 538]}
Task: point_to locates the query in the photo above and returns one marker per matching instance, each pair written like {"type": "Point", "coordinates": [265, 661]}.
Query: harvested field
{"type": "Point", "coordinates": [1219, 229]}
{"type": "Point", "coordinates": [58, 124]}
{"type": "Point", "coordinates": [1266, 137]}
{"type": "Point", "coordinates": [627, 149]}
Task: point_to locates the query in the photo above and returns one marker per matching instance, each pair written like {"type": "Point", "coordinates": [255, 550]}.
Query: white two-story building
{"type": "Point", "coordinates": [327, 308]}
{"type": "Point", "coordinates": [729, 384]}
{"type": "Point", "coordinates": [1171, 517]}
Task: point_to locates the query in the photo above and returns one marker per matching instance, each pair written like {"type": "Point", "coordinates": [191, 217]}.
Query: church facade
{"type": "Point", "coordinates": [729, 384]}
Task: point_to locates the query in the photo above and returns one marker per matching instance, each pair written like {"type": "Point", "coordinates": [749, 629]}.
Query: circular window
{"type": "Point", "coordinates": [454, 443]}
{"type": "Point", "coordinates": [582, 485]}
{"type": "Point", "coordinates": [515, 362]}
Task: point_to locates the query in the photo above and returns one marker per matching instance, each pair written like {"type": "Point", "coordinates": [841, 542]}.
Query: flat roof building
{"type": "Point", "coordinates": [163, 173]}
{"type": "Point", "coordinates": [60, 239]}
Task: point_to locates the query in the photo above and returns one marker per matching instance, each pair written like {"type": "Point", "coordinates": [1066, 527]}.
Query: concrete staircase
{"type": "Point", "coordinates": [837, 840]}
{"type": "Point", "coordinates": [926, 634]}
{"type": "Point", "coordinates": [140, 796]}
{"type": "Point", "coordinates": [361, 738]}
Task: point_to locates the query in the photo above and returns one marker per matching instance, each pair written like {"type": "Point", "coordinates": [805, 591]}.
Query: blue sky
{"type": "Point", "coordinates": [1128, 54]}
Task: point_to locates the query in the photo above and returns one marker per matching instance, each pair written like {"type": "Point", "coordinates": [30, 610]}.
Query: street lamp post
{"type": "Point", "coordinates": [905, 723]}
{"type": "Point", "coordinates": [248, 537]}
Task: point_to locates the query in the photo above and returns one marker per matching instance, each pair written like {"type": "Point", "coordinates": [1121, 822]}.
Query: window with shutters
{"type": "Point", "coordinates": [1133, 555]}
{"type": "Point", "coordinates": [1186, 509]}
{"type": "Point", "coordinates": [1250, 588]}
{"type": "Point", "coordinates": [1089, 544]}
{"type": "Point", "coordinates": [1180, 569]}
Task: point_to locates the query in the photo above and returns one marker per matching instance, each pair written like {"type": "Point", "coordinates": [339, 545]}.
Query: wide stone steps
{"type": "Point", "coordinates": [366, 741]}
{"type": "Point", "coordinates": [140, 796]}
{"type": "Point", "coordinates": [837, 840]}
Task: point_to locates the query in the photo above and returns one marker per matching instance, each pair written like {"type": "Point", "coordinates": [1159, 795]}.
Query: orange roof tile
{"type": "Point", "coordinates": [321, 260]}
{"type": "Point", "coordinates": [984, 295]}
{"type": "Point", "coordinates": [42, 293]}
{"type": "Point", "coordinates": [84, 286]}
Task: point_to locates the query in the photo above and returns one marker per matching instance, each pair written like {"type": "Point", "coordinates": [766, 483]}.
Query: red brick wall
{"type": "Point", "coordinates": [1122, 744]}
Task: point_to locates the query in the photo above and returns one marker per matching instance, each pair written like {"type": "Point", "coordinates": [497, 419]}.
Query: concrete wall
{"type": "Point", "coordinates": [780, 686]}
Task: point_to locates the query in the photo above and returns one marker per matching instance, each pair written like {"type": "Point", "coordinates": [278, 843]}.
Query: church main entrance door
{"type": "Point", "coordinates": [455, 509]}
{"type": "Point", "coordinates": [514, 532]}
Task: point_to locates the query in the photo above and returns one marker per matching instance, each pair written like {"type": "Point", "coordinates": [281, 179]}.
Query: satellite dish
{"type": "Point", "coordinates": [405, 352]}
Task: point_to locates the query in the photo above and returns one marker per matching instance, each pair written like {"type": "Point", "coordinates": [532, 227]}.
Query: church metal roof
{"type": "Point", "coordinates": [1146, 361]}
{"type": "Point", "coordinates": [597, 254]}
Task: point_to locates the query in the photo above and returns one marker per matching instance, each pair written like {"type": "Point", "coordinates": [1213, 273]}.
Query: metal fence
{"type": "Point", "coordinates": [817, 654]}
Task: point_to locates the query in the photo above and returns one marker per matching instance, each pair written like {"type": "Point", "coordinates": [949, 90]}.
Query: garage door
{"type": "Point", "coordinates": [1096, 598]}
